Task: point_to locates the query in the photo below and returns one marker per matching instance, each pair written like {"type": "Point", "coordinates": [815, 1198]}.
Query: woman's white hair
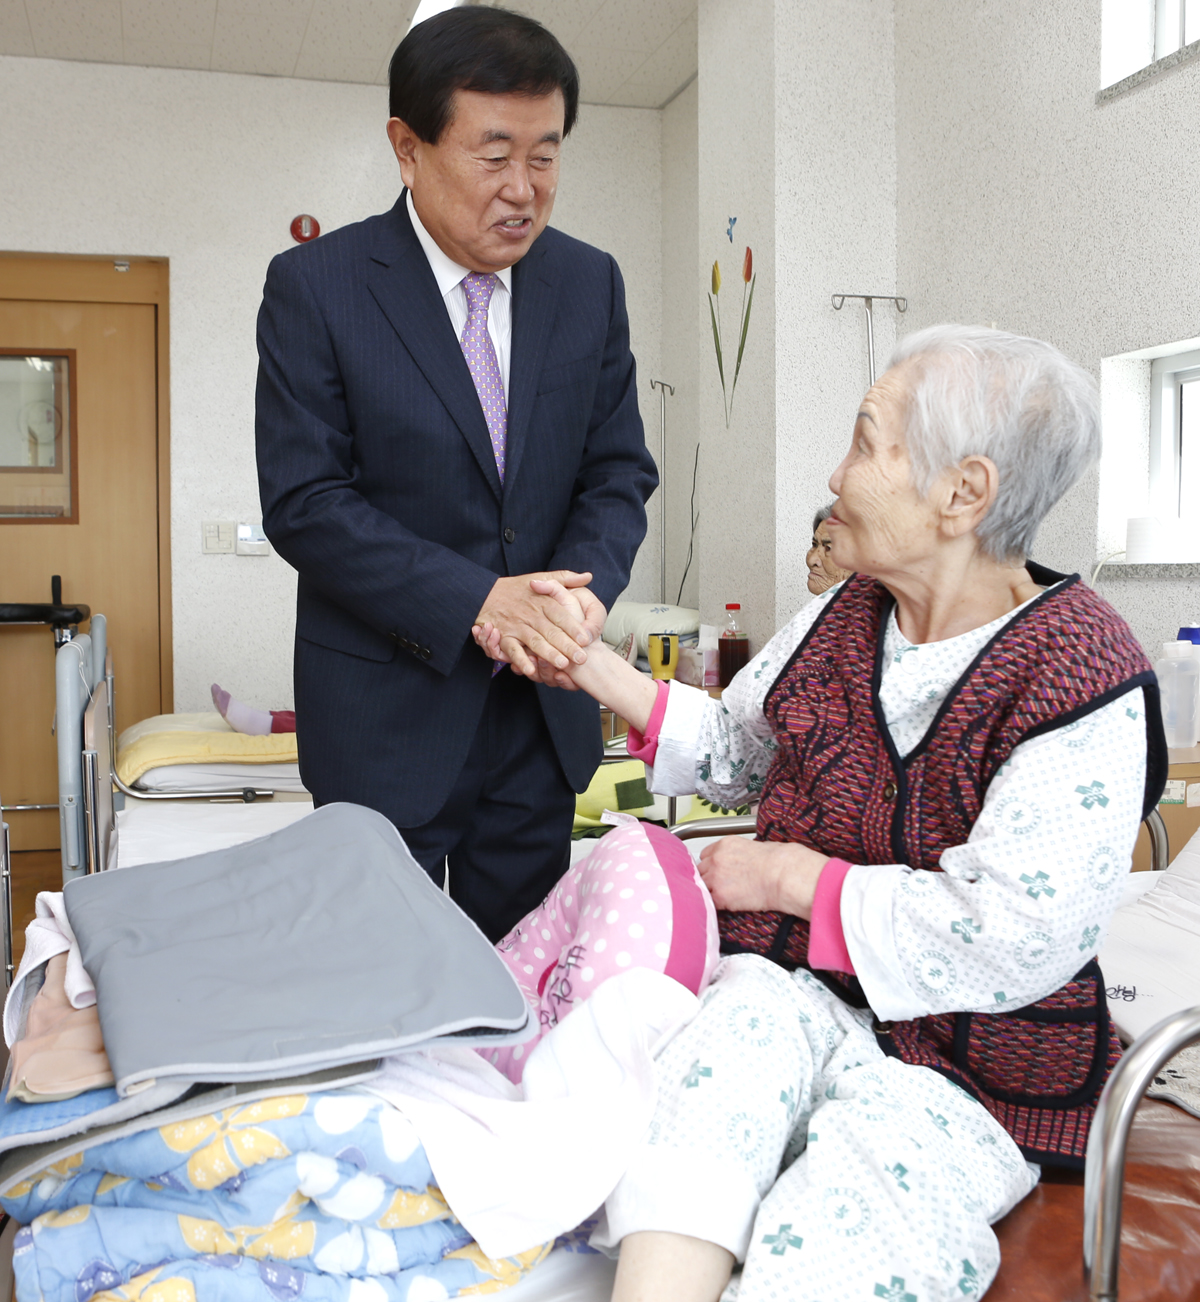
{"type": "Point", "coordinates": [1019, 401]}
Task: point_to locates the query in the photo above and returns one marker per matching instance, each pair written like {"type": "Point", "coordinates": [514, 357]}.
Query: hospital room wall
{"type": "Point", "coordinates": [1024, 203]}
{"type": "Point", "coordinates": [736, 113]}
{"type": "Point", "coordinates": [208, 170]}
{"type": "Point", "coordinates": [835, 205]}
{"type": "Point", "coordinates": [796, 113]}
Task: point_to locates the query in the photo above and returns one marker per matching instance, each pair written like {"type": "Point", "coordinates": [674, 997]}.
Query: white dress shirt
{"type": "Point", "coordinates": [449, 276]}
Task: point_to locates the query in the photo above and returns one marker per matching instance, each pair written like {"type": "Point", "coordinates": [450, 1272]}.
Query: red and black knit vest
{"type": "Point", "coordinates": [838, 784]}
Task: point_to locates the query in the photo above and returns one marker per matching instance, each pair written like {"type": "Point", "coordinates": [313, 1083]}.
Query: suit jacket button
{"type": "Point", "coordinates": [395, 638]}
{"type": "Point", "coordinates": [425, 653]}
{"type": "Point", "coordinates": [889, 791]}
{"type": "Point", "coordinates": [510, 535]}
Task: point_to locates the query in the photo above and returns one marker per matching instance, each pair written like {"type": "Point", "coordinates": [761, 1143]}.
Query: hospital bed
{"type": "Point", "coordinates": [83, 661]}
{"type": "Point", "coordinates": [1084, 1221]}
{"type": "Point", "coordinates": [98, 811]}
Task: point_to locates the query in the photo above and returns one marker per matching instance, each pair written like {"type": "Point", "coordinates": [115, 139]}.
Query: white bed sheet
{"type": "Point", "coordinates": [169, 778]}
{"type": "Point", "coordinates": [567, 1277]}
{"type": "Point", "coordinates": [152, 831]}
{"type": "Point", "coordinates": [1151, 956]}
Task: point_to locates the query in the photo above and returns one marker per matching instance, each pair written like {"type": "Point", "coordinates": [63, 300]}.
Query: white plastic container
{"type": "Point", "coordinates": [1178, 675]}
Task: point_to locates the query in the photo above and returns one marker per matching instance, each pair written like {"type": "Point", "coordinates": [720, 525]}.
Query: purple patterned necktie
{"type": "Point", "coordinates": [481, 360]}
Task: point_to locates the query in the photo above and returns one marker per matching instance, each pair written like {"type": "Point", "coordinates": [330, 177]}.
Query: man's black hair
{"type": "Point", "coordinates": [475, 47]}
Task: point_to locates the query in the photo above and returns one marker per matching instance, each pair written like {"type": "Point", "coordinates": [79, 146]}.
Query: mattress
{"type": "Point", "coordinates": [171, 778]}
{"type": "Point", "coordinates": [1149, 958]}
{"type": "Point", "coordinates": [152, 831]}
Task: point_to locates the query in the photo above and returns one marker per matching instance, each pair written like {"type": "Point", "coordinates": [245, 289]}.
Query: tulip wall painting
{"type": "Point", "coordinates": [714, 311]}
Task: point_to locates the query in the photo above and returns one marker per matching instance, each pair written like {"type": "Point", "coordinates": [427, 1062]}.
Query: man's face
{"type": "Point", "coordinates": [485, 191]}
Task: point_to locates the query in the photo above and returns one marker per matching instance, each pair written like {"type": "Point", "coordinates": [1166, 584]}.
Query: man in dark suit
{"type": "Point", "coordinates": [447, 410]}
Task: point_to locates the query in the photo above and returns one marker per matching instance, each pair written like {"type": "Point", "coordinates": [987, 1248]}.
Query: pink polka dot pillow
{"type": "Point", "coordinates": [636, 901]}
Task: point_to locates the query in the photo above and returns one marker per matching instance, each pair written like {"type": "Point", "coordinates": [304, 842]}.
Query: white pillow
{"type": "Point", "coordinates": [641, 620]}
{"type": "Point", "coordinates": [1149, 956]}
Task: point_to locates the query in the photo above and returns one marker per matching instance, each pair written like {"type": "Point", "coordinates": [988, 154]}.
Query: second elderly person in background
{"type": "Point", "coordinates": [823, 574]}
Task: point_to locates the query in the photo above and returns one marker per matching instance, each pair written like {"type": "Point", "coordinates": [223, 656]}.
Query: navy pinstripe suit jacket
{"type": "Point", "coordinates": [379, 486]}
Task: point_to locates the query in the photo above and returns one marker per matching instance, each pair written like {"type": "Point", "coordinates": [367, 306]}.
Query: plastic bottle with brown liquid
{"type": "Point", "coordinates": [733, 644]}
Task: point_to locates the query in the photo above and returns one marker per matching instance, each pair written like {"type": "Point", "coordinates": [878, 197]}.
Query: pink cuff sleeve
{"type": "Point", "coordinates": [826, 940]}
{"type": "Point", "coordinates": [644, 746]}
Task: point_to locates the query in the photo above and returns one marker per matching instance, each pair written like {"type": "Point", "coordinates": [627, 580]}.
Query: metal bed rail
{"type": "Point", "coordinates": [73, 686]}
{"type": "Point", "coordinates": [1104, 1172]}
{"type": "Point", "coordinates": [86, 738]}
{"type": "Point", "coordinates": [1160, 843]}
{"type": "Point", "coordinates": [6, 902]}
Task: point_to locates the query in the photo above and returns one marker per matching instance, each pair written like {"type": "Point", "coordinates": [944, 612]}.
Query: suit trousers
{"type": "Point", "coordinates": [505, 829]}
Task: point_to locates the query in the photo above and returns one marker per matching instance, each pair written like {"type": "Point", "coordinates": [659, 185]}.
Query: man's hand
{"type": "Point", "coordinates": [756, 876]}
{"type": "Point", "coordinates": [590, 610]}
{"type": "Point", "coordinates": [548, 617]}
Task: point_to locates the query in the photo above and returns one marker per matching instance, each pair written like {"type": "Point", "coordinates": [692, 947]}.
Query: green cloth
{"type": "Point", "coordinates": [622, 788]}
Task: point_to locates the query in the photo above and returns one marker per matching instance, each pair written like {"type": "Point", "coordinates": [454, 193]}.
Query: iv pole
{"type": "Point", "coordinates": [868, 302]}
{"type": "Point", "coordinates": [664, 388]}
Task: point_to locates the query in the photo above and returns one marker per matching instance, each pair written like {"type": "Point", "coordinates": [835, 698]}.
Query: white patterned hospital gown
{"type": "Point", "coordinates": [783, 1132]}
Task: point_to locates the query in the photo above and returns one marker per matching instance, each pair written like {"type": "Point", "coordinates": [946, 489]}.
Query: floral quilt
{"type": "Point", "coordinates": [326, 1197]}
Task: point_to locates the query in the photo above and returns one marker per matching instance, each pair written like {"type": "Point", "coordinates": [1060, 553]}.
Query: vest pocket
{"type": "Point", "coordinates": [1050, 1054]}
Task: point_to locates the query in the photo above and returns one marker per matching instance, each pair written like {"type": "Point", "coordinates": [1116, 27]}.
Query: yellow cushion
{"type": "Point", "coordinates": [622, 788]}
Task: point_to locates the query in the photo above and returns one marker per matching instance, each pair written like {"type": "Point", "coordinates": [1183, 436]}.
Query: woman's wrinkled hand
{"type": "Point", "coordinates": [566, 603]}
{"type": "Point", "coordinates": [757, 876]}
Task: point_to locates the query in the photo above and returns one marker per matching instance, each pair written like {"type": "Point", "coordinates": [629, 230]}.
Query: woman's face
{"type": "Point", "coordinates": [822, 572]}
{"type": "Point", "coordinates": [880, 523]}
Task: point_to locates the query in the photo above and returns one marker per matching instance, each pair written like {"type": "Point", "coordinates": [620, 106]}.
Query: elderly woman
{"type": "Point", "coordinates": [953, 750]}
{"type": "Point", "coordinates": [822, 572]}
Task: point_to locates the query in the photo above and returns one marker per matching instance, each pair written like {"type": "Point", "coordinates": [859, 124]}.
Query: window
{"type": "Point", "coordinates": [1175, 434]}
{"type": "Point", "coordinates": [37, 436]}
{"type": "Point", "coordinates": [1176, 24]}
{"type": "Point", "coordinates": [1148, 508]}
{"type": "Point", "coordinates": [1137, 34]}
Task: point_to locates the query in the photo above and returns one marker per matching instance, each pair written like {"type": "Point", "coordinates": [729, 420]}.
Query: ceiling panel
{"type": "Point", "coordinates": [65, 29]}
{"type": "Point", "coordinates": [332, 67]}
{"type": "Point", "coordinates": [173, 22]}
{"type": "Point", "coordinates": [565, 18]}
{"type": "Point", "coordinates": [603, 71]}
{"type": "Point", "coordinates": [262, 43]}
{"type": "Point", "coordinates": [629, 24]}
{"type": "Point", "coordinates": [629, 52]}
{"type": "Point", "coordinates": [15, 36]}
{"type": "Point", "coordinates": [668, 68]}
{"type": "Point", "coordinates": [166, 53]}
{"type": "Point", "coordinates": [374, 26]}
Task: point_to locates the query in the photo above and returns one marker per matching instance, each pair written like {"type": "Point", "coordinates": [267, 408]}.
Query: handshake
{"type": "Point", "coordinates": [539, 624]}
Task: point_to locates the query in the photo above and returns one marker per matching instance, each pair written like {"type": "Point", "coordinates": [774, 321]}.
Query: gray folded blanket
{"type": "Point", "coordinates": [319, 945]}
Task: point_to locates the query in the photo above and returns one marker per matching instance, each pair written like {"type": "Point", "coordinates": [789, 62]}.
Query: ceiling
{"type": "Point", "coordinates": [637, 53]}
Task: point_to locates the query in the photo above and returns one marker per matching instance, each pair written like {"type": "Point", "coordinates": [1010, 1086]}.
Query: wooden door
{"type": "Point", "coordinates": [114, 558]}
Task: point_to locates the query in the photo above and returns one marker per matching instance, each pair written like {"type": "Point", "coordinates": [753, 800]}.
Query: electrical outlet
{"type": "Point", "coordinates": [217, 536]}
{"type": "Point", "coordinates": [251, 541]}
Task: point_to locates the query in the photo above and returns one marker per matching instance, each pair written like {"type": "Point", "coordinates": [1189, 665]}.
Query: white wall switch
{"type": "Point", "coordinates": [217, 535]}
{"type": "Point", "coordinates": [251, 541]}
